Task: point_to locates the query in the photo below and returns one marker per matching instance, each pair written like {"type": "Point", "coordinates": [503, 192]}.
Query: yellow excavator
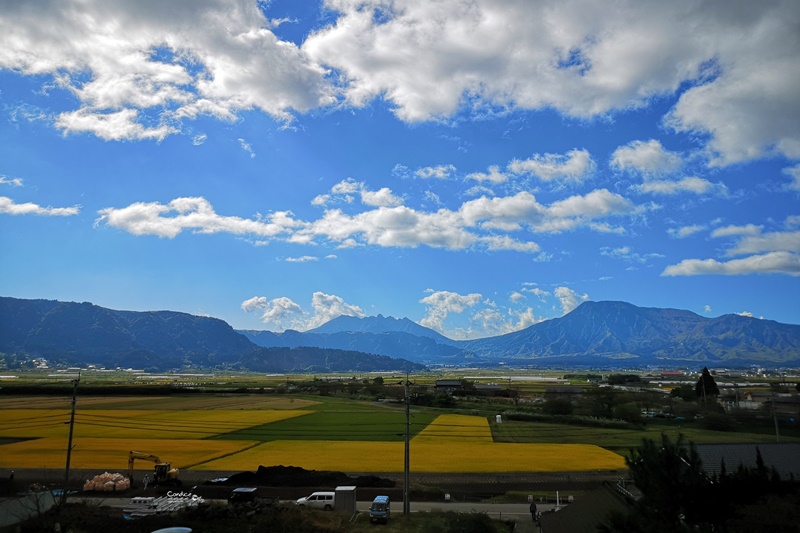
{"type": "Point", "coordinates": [163, 473]}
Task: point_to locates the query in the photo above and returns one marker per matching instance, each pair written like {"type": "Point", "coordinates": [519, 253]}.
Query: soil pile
{"type": "Point", "coordinates": [295, 476]}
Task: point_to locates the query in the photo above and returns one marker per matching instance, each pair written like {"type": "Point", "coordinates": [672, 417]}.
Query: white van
{"type": "Point", "coordinates": [318, 500]}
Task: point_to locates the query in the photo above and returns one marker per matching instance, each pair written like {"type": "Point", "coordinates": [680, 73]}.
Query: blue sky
{"type": "Point", "coordinates": [476, 167]}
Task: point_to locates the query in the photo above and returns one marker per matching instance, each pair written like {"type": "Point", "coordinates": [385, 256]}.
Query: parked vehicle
{"type": "Point", "coordinates": [243, 495]}
{"type": "Point", "coordinates": [379, 510]}
{"type": "Point", "coordinates": [318, 500]}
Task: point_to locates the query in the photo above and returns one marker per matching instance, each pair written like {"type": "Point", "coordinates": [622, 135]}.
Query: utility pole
{"type": "Point", "coordinates": [775, 416]}
{"type": "Point", "coordinates": [406, 468]}
{"type": "Point", "coordinates": [69, 442]}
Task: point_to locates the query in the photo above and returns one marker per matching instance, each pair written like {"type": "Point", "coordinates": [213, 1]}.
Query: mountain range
{"type": "Point", "coordinates": [83, 333]}
{"type": "Point", "coordinates": [596, 334]}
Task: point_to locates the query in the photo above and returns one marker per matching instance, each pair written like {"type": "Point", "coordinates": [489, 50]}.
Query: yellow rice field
{"type": "Point", "coordinates": [425, 456]}
{"type": "Point", "coordinates": [103, 438]}
{"type": "Point", "coordinates": [455, 428]}
{"type": "Point", "coordinates": [135, 424]}
{"type": "Point", "coordinates": [111, 454]}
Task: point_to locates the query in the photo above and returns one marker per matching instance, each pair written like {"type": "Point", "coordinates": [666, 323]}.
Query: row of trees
{"type": "Point", "coordinates": [678, 496]}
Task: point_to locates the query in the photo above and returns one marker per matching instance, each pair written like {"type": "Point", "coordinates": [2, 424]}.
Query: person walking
{"type": "Point", "coordinates": [146, 481]}
{"type": "Point", "coordinates": [533, 511]}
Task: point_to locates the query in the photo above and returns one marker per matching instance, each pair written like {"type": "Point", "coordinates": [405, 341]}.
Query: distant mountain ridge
{"type": "Point", "coordinates": [83, 333]}
{"type": "Point", "coordinates": [598, 334]}
{"type": "Point", "coordinates": [594, 334]}
{"type": "Point", "coordinates": [620, 330]}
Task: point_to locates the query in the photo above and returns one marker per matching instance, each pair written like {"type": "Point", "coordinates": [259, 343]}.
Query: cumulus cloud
{"type": "Point", "coordinates": [685, 231]}
{"type": "Point", "coordinates": [14, 182]}
{"type": "Point", "coordinates": [575, 165]}
{"type": "Point", "coordinates": [440, 304]}
{"type": "Point", "coordinates": [9, 207]}
{"type": "Point", "coordinates": [279, 313]}
{"type": "Point", "coordinates": [774, 252]}
{"type": "Point", "coordinates": [482, 222]}
{"type": "Point", "coordinates": [493, 175]}
{"type": "Point", "coordinates": [194, 214]}
{"type": "Point", "coordinates": [770, 263]}
{"type": "Point", "coordinates": [687, 184]}
{"type": "Point", "coordinates": [136, 73]}
{"type": "Point", "coordinates": [794, 173]}
{"type": "Point", "coordinates": [345, 190]}
{"type": "Point", "coordinates": [438, 172]}
{"type": "Point", "coordinates": [139, 73]}
{"type": "Point", "coordinates": [646, 157]}
{"type": "Point", "coordinates": [569, 298]}
{"type": "Point", "coordinates": [740, 64]}
{"type": "Point", "coordinates": [283, 313]}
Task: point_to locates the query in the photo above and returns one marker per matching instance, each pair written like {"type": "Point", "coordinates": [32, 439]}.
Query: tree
{"type": "Point", "coordinates": [673, 485]}
{"type": "Point", "coordinates": [557, 406]}
{"type": "Point", "coordinates": [706, 386]}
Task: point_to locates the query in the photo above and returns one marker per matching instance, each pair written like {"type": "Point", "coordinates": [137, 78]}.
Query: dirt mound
{"type": "Point", "coordinates": [295, 476]}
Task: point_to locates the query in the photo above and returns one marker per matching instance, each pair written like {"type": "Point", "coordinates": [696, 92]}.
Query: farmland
{"type": "Point", "coordinates": [239, 422]}
{"type": "Point", "coordinates": [331, 434]}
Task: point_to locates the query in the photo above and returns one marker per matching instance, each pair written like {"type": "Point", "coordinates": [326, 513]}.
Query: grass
{"type": "Point", "coordinates": [381, 425]}
{"type": "Point", "coordinates": [618, 440]}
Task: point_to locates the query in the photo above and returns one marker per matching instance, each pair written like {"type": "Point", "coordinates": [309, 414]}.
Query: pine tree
{"type": "Point", "coordinates": [706, 386]}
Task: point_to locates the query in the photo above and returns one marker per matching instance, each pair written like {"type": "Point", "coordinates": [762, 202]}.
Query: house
{"type": "Point", "coordinates": [448, 385]}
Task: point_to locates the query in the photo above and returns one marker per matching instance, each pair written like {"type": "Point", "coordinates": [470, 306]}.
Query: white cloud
{"type": "Point", "coordinates": [302, 259]}
{"type": "Point", "coordinates": [327, 307]}
{"type": "Point", "coordinates": [783, 241]}
{"type": "Point", "coordinates": [195, 214]}
{"type": "Point", "coordinates": [123, 125]}
{"type": "Point", "coordinates": [14, 182]}
{"type": "Point", "coordinates": [794, 173]}
{"type": "Point", "coordinates": [279, 313]}
{"type": "Point", "coordinates": [283, 313]}
{"type": "Point", "coordinates": [438, 172]}
{"type": "Point", "coordinates": [440, 304]}
{"type": "Point", "coordinates": [581, 58]}
{"type": "Point", "coordinates": [543, 295]}
{"type": "Point", "coordinates": [685, 231]}
{"type": "Point", "coordinates": [687, 184]}
{"type": "Point", "coordinates": [627, 254]}
{"type": "Point", "coordinates": [493, 176]}
{"type": "Point", "coordinates": [769, 253]}
{"type": "Point", "coordinates": [569, 298]}
{"type": "Point", "coordinates": [727, 231]}
{"type": "Point", "coordinates": [769, 263]}
{"type": "Point", "coordinates": [482, 223]}
{"type": "Point", "coordinates": [345, 188]}
{"type": "Point", "coordinates": [247, 147]}
{"type": "Point", "coordinates": [747, 314]}
{"type": "Point", "coordinates": [197, 140]}
{"type": "Point", "coordinates": [647, 158]}
{"type": "Point", "coordinates": [9, 207]}
{"type": "Point", "coordinates": [136, 72]}
{"type": "Point", "coordinates": [576, 165]}
{"type": "Point", "coordinates": [707, 309]}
